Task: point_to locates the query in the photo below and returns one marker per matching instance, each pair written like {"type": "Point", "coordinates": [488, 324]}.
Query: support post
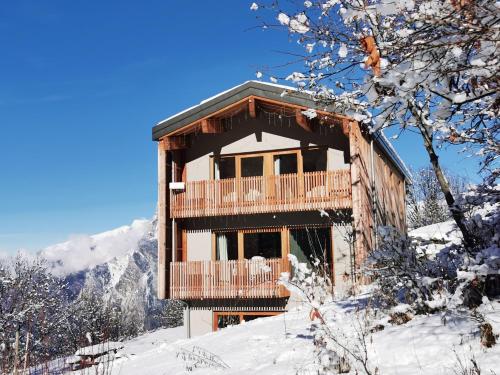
{"type": "Point", "coordinates": [163, 224]}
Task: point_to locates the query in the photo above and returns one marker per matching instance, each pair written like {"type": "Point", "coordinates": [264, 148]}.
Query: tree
{"type": "Point", "coordinates": [432, 68]}
{"type": "Point", "coordinates": [33, 311]}
{"type": "Point", "coordinates": [426, 203]}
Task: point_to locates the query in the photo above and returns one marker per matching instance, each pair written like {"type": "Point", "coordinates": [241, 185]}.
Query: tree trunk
{"type": "Point", "coordinates": [456, 213]}
{"type": "Point", "coordinates": [16, 353]}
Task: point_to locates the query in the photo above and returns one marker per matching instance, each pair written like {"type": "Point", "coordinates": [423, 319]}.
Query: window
{"type": "Point", "coordinates": [226, 320]}
{"type": "Point", "coordinates": [225, 168]}
{"type": "Point", "coordinates": [226, 246]}
{"type": "Point", "coordinates": [270, 162]}
{"type": "Point", "coordinates": [308, 244]}
{"type": "Point", "coordinates": [266, 244]}
{"type": "Point", "coordinates": [285, 163]}
{"type": "Point", "coordinates": [252, 166]}
{"type": "Point", "coordinates": [248, 318]}
{"type": "Point", "coordinates": [314, 160]}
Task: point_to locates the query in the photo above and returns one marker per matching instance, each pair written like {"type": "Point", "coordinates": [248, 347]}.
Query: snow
{"type": "Point", "coordinates": [81, 251]}
{"type": "Point", "coordinates": [283, 344]}
{"type": "Point", "coordinates": [440, 232]}
{"type": "Point", "coordinates": [343, 50]}
{"type": "Point", "coordinates": [457, 51]}
{"type": "Point", "coordinates": [283, 19]}
{"type": "Point", "coordinates": [99, 348]}
{"type": "Point", "coordinates": [299, 24]}
{"type": "Point", "coordinates": [310, 113]}
{"type": "Point", "coordinates": [436, 237]}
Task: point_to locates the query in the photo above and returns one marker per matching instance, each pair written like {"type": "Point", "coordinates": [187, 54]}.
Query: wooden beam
{"type": "Point", "coordinates": [164, 229]}
{"type": "Point", "coordinates": [245, 102]}
{"type": "Point", "coordinates": [302, 120]}
{"type": "Point", "coordinates": [252, 110]}
{"type": "Point", "coordinates": [346, 124]}
{"type": "Point", "coordinates": [174, 143]}
{"type": "Point", "coordinates": [211, 126]}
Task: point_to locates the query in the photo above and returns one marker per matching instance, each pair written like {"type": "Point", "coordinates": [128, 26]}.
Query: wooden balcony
{"type": "Point", "coordinates": [261, 194]}
{"type": "Point", "coordinates": [227, 279]}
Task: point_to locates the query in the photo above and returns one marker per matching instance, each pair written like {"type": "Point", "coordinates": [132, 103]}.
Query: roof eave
{"type": "Point", "coordinates": [254, 88]}
{"type": "Point", "coordinates": [250, 88]}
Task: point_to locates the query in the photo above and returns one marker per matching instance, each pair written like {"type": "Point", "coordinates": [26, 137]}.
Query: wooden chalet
{"type": "Point", "coordinates": [256, 173]}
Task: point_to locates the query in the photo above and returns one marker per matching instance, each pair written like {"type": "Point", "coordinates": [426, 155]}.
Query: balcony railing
{"type": "Point", "coordinates": [259, 194]}
{"type": "Point", "coordinates": [256, 278]}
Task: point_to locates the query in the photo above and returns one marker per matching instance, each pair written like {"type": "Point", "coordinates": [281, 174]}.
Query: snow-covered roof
{"type": "Point", "coordinates": [262, 89]}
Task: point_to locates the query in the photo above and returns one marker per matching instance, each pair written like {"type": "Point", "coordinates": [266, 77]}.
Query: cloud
{"type": "Point", "coordinates": [82, 251]}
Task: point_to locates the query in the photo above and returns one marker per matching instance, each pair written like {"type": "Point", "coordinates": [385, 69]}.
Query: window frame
{"type": "Point", "coordinates": [268, 158]}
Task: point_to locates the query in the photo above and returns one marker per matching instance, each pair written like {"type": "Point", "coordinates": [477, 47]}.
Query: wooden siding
{"type": "Point", "coordinates": [361, 192]}
{"type": "Point", "coordinates": [261, 194]}
{"type": "Point", "coordinates": [390, 193]}
{"type": "Point", "coordinates": [384, 204]}
{"type": "Point", "coordinates": [227, 279]}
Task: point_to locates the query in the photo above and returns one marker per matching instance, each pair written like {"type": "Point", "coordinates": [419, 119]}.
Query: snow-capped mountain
{"type": "Point", "coordinates": [119, 265]}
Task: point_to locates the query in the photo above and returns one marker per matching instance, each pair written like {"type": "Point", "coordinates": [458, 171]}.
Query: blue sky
{"type": "Point", "coordinates": [81, 85]}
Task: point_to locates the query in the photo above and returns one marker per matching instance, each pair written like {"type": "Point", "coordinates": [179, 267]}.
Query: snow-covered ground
{"type": "Point", "coordinates": [284, 345]}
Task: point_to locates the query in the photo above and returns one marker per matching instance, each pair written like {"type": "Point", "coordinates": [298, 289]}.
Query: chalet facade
{"type": "Point", "coordinates": [254, 174]}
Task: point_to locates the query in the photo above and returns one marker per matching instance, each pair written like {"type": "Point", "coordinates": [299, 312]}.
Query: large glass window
{"type": "Point", "coordinates": [252, 166]}
{"type": "Point", "coordinates": [267, 245]}
{"type": "Point", "coordinates": [285, 163]}
{"type": "Point", "coordinates": [225, 168]}
{"type": "Point", "coordinates": [314, 160]}
{"type": "Point", "coordinates": [225, 320]}
{"type": "Point", "coordinates": [308, 244]}
{"type": "Point", "coordinates": [226, 246]}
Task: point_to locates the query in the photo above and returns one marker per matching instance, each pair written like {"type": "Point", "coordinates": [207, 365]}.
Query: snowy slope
{"type": "Point", "coordinates": [283, 345]}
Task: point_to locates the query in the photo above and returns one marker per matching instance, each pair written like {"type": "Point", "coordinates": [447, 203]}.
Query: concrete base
{"type": "Point", "coordinates": [199, 322]}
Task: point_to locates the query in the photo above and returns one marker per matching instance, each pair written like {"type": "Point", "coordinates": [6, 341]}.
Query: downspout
{"type": "Point", "coordinates": [374, 195]}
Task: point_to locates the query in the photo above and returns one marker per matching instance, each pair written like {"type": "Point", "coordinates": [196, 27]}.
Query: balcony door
{"type": "Point", "coordinates": [315, 184]}
{"type": "Point", "coordinates": [311, 244]}
{"type": "Point", "coordinates": [262, 244]}
{"type": "Point", "coordinates": [285, 163]}
{"type": "Point", "coordinates": [249, 244]}
{"type": "Point", "coordinates": [226, 246]}
{"type": "Point", "coordinates": [252, 182]}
